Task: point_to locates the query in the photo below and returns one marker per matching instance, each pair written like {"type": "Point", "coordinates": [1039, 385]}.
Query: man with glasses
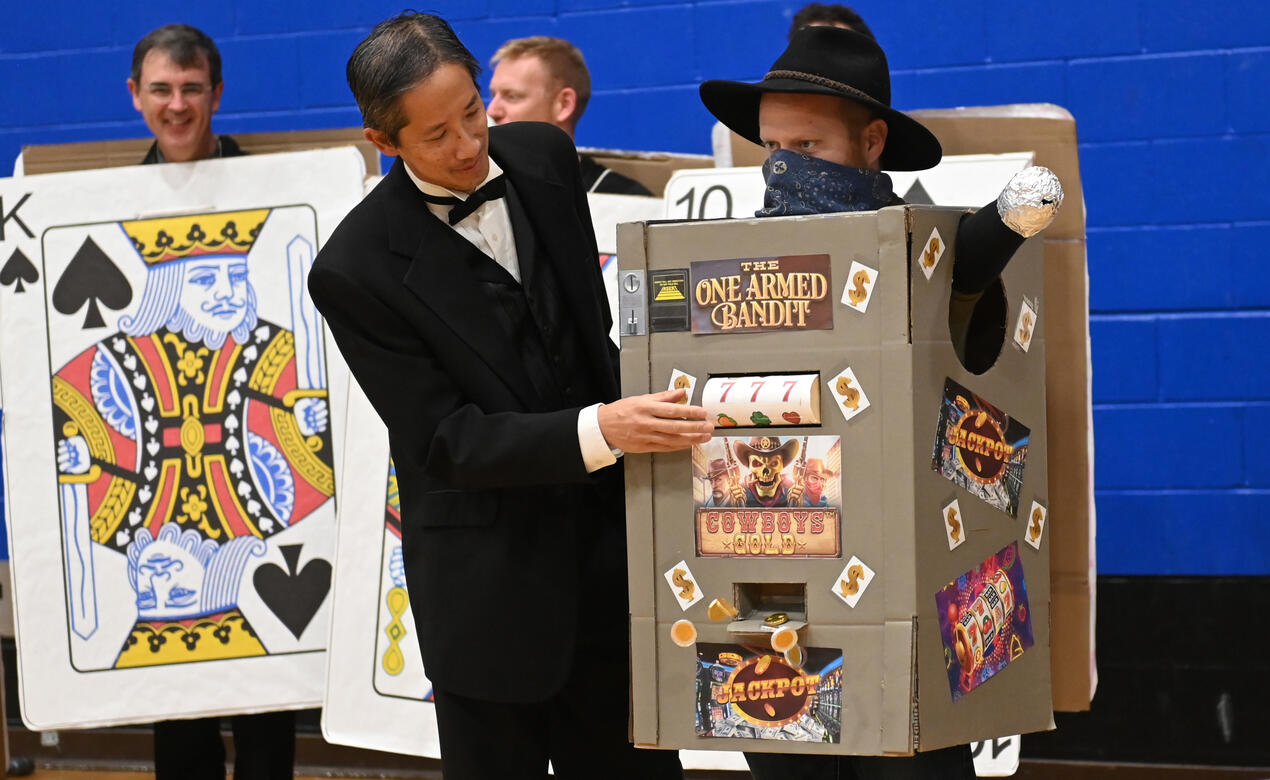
{"type": "Point", "coordinates": [176, 85]}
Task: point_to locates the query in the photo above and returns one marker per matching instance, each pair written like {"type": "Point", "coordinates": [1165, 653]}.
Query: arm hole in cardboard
{"type": "Point", "coordinates": [977, 326]}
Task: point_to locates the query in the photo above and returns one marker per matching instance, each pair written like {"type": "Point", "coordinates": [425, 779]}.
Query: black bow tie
{"type": "Point", "coordinates": [493, 189]}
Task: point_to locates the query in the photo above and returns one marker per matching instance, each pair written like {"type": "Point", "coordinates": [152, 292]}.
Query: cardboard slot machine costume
{"type": "Point", "coordinates": [853, 564]}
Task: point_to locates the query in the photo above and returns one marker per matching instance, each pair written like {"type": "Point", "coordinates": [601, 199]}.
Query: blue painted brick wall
{"type": "Point", "coordinates": [1171, 109]}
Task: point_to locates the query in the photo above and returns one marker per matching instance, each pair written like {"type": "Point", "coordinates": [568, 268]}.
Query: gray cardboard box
{"type": "Point", "coordinates": [895, 692]}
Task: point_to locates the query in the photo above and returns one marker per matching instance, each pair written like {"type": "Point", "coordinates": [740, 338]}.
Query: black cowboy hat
{"type": "Point", "coordinates": [829, 61]}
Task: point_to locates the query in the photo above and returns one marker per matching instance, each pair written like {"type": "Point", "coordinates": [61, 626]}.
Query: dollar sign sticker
{"type": "Point", "coordinates": [953, 526]}
{"type": "Point", "coordinates": [855, 573]}
{"type": "Point", "coordinates": [850, 395]}
{"type": "Point", "coordinates": [932, 250]}
{"type": "Point", "coordinates": [681, 581]}
{"type": "Point", "coordinates": [682, 382]}
{"type": "Point", "coordinates": [1025, 329]}
{"type": "Point", "coordinates": [1035, 529]}
{"type": "Point", "coordinates": [857, 294]}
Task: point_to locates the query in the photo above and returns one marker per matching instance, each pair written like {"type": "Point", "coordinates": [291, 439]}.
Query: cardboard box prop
{"type": "Point", "coordinates": [1049, 132]}
{"type": "Point", "coordinates": [55, 158]}
{"type": "Point", "coordinates": [862, 626]}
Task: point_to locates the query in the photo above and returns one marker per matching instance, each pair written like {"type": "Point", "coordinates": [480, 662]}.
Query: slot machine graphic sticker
{"type": "Point", "coordinates": [746, 692]}
{"type": "Point", "coordinates": [980, 448]}
{"type": "Point", "coordinates": [759, 294]}
{"type": "Point", "coordinates": [984, 620]}
{"type": "Point", "coordinates": [768, 497]}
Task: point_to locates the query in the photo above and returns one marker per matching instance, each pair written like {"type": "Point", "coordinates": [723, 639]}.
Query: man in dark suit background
{"type": "Point", "coordinates": [464, 294]}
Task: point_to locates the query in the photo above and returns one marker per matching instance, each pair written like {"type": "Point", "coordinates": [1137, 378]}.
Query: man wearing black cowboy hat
{"type": "Point", "coordinates": [824, 114]}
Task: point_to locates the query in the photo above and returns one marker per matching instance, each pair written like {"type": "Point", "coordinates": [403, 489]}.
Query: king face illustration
{"type": "Point", "coordinates": [196, 425]}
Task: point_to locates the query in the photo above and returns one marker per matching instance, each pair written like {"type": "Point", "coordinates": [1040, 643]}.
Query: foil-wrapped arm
{"type": "Point", "coordinates": [988, 238]}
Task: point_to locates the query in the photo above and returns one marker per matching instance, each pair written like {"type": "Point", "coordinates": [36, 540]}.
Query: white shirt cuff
{"type": "Point", "coordinates": [596, 452]}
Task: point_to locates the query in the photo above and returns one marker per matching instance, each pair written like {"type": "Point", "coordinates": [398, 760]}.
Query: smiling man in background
{"type": "Point", "coordinates": [176, 85]}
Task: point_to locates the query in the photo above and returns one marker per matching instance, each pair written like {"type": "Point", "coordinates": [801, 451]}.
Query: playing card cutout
{"type": "Point", "coordinates": [931, 253]}
{"type": "Point", "coordinates": [681, 381]}
{"type": "Point", "coordinates": [92, 278]}
{"type": "Point", "coordinates": [18, 269]}
{"type": "Point", "coordinates": [849, 394]}
{"type": "Point", "coordinates": [859, 288]}
{"type": "Point", "coordinates": [1025, 326]}
{"type": "Point", "coordinates": [293, 595]}
{"type": "Point", "coordinates": [1035, 530]}
{"type": "Point", "coordinates": [954, 525]}
{"type": "Point", "coordinates": [683, 585]}
{"type": "Point", "coordinates": [852, 582]}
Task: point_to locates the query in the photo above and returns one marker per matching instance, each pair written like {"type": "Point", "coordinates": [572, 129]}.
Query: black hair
{"type": "Point", "coordinates": [825, 13]}
{"type": "Point", "coordinates": [398, 54]}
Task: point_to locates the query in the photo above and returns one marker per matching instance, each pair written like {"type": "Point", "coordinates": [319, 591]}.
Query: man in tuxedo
{"type": "Point", "coordinates": [464, 294]}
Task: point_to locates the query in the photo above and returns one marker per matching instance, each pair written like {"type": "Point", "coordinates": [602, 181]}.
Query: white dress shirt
{"type": "Point", "coordinates": [489, 229]}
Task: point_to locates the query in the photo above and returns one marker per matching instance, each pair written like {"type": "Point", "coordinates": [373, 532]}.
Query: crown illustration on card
{"type": "Point", "coordinates": [163, 239]}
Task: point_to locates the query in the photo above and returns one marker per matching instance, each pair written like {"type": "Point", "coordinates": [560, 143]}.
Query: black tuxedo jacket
{"type": "Point", "coordinates": [497, 506]}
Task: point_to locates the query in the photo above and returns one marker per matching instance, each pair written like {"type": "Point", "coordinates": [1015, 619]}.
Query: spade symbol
{"type": "Point", "coordinates": [91, 277]}
{"type": "Point", "coordinates": [18, 269]}
{"type": "Point", "coordinates": [293, 597]}
{"type": "Point", "coordinates": [917, 195]}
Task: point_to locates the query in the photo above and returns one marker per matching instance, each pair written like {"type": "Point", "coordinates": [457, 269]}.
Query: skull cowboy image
{"type": "Point", "coordinates": [185, 440]}
{"type": "Point", "coordinates": [765, 484]}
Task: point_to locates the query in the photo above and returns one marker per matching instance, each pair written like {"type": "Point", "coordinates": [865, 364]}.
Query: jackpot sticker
{"type": "Point", "coordinates": [980, 448]}
{"type": "Point", "coordinates": [931, 253]}
{"type": "Point", "coordinates": [757, 294]}
{"type": "Point", "coordinates": [1035, 525]}
{"type": "Point", "coordinates": [859, 288]}
{"type": "Point", "coordinates": [954, 525]}
{"type": "Point", "coordinates": [1025, 326]}
{"type": "Point", "coordinates": [683, 585]}
{"type": "Point", "coordinates": [852, 582]}
{"type": "Point", "coordinates": [984, 620]}
{"type": "Point", "coordinates": [768, 497]}
{"type": "Point", "coordinates": [681, 381]}
{"type": "Point", "coordinates": [748, 692]}
{"type": "Point", "coordinates": [848, 393]}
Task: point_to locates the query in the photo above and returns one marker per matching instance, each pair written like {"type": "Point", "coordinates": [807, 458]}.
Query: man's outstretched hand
{"type": "Point", "coordinates": [654, 423]}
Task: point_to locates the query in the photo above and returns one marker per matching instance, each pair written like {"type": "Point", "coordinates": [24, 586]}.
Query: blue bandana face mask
{"type": "Point", "coordinates": [801, 184]}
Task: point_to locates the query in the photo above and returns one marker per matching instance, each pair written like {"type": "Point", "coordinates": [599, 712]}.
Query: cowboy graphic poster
{"type": "Point", "coordinates": [174, 468]}
{"type": "Point", "coordinates": [746, 692]}
{"type": "Point", "coordinates": [984, 620]}
{"type": "Point", "coordinates": [768, 496]}
{"type": "Point", "coordinates": [980, 448]}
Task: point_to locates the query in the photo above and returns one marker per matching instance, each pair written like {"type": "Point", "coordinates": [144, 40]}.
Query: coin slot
{"type": "Point", "coordinates": [761, 600]}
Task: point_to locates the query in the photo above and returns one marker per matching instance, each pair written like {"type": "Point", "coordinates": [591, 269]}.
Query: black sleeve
{"type": "Point", "coordinates": [984, 248]}
{"type": "Point", "coordinates": [435, 427]}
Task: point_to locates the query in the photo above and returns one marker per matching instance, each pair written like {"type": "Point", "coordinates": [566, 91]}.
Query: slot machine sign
{"type": "Point", "coordinates": [758, 294]}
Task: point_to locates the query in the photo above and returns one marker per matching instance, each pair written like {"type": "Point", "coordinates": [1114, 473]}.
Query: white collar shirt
{"type": "Point", "coordinates": [489, 228]}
